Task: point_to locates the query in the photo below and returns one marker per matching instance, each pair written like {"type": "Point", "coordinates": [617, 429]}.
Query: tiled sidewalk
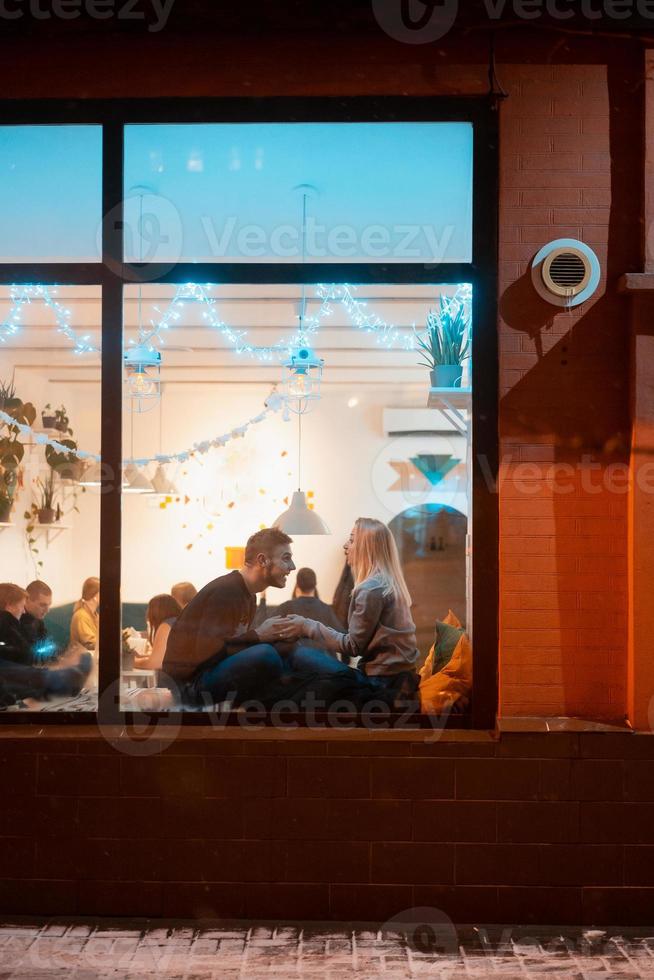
{"type": "Point", "coordinates": [84, 952]}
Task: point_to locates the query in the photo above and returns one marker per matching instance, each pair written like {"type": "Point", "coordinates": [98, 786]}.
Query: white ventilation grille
{"type": "Point", "coordinates": [565, 272]}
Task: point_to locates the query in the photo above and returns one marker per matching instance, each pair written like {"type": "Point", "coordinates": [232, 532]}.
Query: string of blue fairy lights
{"type": "Point", "coordinates": [387, 334]}
{"type": "Point", "coordinates": [357, 311]}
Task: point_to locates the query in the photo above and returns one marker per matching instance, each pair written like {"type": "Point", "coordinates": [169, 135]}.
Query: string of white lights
{"type": "Point", "coordinates": [21, 296]}
{"type": "Point", "coordinates": [387, 334]}
{"type": "Point", "coordinates": [196, 292]}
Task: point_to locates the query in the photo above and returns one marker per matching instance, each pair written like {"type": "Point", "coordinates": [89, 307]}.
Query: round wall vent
{"type": "Point", "coordinates": [565, 272]}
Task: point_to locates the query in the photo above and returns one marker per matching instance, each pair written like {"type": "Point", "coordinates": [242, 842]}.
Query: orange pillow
{"type": "Point", "coordinates": [425, 671]}
{"type": "Point", "coordinates": [451, 684]}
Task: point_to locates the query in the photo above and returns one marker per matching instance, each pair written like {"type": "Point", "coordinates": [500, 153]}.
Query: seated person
{"type": "Point", "coordinates": [37, 607]}
{"type": "Point", "coordinates": [18, 677]}
{"type": "Point", "coordinates": [306, 602]}
{"type": "Point", "coordinates": [212, 653]}
{"type": "Point", "coordinates": [84, 625]}
{"type": "Point", "coordinates": [14, 645]}
{"type": "Point", "coordinates": [183, 592]}
{"type": "Point", "coordinates": [162, 613]}
{"type": "Point", "coordinates": [342, 595]}
{"type": "Point", "coordinates": [380, 629]}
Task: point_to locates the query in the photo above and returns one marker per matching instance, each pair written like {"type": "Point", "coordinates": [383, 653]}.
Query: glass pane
{"type": "Point", "coordinates": [50, 193]}
{"type": "Point", "coordinates": [49, 515]}
{"type": "Point", "coordinates": [375, 192]}
{"type": "Point", "coordinates": [216, 448]}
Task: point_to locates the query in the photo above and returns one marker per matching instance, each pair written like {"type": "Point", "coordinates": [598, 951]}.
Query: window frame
{"type": "Point", "coordinates": [112, 274]}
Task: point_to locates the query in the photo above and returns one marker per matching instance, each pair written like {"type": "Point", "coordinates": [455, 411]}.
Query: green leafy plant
{"type": "Point", "coordinates": [7, 392]}
{"type": "Point", "coordinates": [66, 464]}
{"type": "Point", "coordinates": [12, 449]}
{"type": "Point", "coordinates": [32, 516]}
{"type": "Point", "coordinates": [48, 416]}
{"type": "Point", "coordinates": [62, 422]}
{"type": "Point", "coordinates": [446, 339]}
{"type": "Point", "coordinates": [47, 491]}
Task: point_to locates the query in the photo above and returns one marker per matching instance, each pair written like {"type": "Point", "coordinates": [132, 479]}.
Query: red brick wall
{"type": "Point", "coordinates": [564, 393]}
{"type": "Point", "coordinates": [551, 828]}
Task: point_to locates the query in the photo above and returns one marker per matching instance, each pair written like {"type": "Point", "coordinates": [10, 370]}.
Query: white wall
{"type": "Point", "coordinates": [230, 492]}
{"type": "Point", "coordinates": [344, 462]}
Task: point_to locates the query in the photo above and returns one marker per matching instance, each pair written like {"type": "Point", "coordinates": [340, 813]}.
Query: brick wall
{"type": "Point", "coordinates": [570, 168]}
{"type": "Point", "coordinates": [529, 828]}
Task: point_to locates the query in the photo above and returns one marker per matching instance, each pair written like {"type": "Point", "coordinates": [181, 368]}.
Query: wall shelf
{"type": "Point", "coordinates": [452, 402]}
{"type": "Point", "coordinates": [51, 531]}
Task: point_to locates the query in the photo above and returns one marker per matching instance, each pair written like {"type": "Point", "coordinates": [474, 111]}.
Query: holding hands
{"type": "Point", "coordinates": [282, 628]}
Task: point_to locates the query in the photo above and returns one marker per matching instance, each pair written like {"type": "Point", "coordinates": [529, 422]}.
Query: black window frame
{"type": "Point", "coordinates": [112, 274]}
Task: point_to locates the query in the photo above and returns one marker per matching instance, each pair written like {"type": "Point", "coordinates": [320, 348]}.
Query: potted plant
{"type": "Point", "coordinates": [45, 506]}
{"type": "Point", "coordinates": [61, 420]}
{"type": "Point", "coordinates": [7, 393]}
{"type": "Point", "coordinates": [445, 343]}
{"type": "Point", "coordinates": [65, 464]}
{"type": "Point", "coordinates": [11, 448]}
{"type": "Point", "coordinates": [48, 417]}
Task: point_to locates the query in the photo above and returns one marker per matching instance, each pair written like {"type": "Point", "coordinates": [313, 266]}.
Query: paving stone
{"type": "Point", "coordinates": [292, 950]}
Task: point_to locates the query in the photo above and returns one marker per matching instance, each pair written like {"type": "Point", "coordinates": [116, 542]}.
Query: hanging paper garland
{"type": "Point", "coordinates": [273, 404]}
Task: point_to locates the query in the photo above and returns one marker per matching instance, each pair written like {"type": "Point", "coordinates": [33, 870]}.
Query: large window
{"type": "Point", "coordinates": [376, 192]}
{"type": "Point", "coordinates": [50, 362]}
{"type": "Point", "coordinates": [225, 249]}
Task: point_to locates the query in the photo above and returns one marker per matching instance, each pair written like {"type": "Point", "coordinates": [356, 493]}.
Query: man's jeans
{"type": "Point", "coordinates": [244, 676]}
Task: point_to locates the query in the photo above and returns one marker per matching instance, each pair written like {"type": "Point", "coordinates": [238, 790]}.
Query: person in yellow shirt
{"type": "Point", "coordinates": [85, 622]}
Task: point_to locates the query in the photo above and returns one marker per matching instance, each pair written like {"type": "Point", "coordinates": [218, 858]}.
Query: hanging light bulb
{"type": "Point", "coordinates": [302, 373]}
{"type": "Point", "coordinates": [143, 370]}
{"type": "Point", "coordinates": [301, 380]}
{"type": "Point", "coordinates": [142, 361]}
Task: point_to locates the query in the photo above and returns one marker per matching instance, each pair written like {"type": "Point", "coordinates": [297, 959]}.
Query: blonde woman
{"type": "Point", "coordinates": [380, 636]}
{"type": "Point", "coordinates": [85, 622]}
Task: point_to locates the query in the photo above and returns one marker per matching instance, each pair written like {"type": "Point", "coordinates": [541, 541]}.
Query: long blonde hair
{"type": "Point", "coordinates": [374, 553]}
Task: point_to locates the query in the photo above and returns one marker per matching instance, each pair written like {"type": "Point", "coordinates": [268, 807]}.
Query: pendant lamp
{"type": "Point", "coordinates": [299, 519]}
{"type": "Point", "coordinates": [134, 480]}
{"type": "Point", "coordinates": [161, 483]}
{"type": "Point", "coordinates": [92, 476]}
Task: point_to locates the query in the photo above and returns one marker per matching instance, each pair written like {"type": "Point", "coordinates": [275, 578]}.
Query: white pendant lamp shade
{"type": "Point", "coordinates": [161, 484]}
{"type": "Point", "coordinates": [135, 482]}
{"type": "Point", "coordinates": [92, 476]}
{"type": "Point", "coordinates": [298, 519]}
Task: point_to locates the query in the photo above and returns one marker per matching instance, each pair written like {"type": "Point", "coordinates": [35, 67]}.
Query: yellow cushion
{"type": "Point", "coordinates": [451, 684]}
{"type": "Point", "coordinates": [425, 671]}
